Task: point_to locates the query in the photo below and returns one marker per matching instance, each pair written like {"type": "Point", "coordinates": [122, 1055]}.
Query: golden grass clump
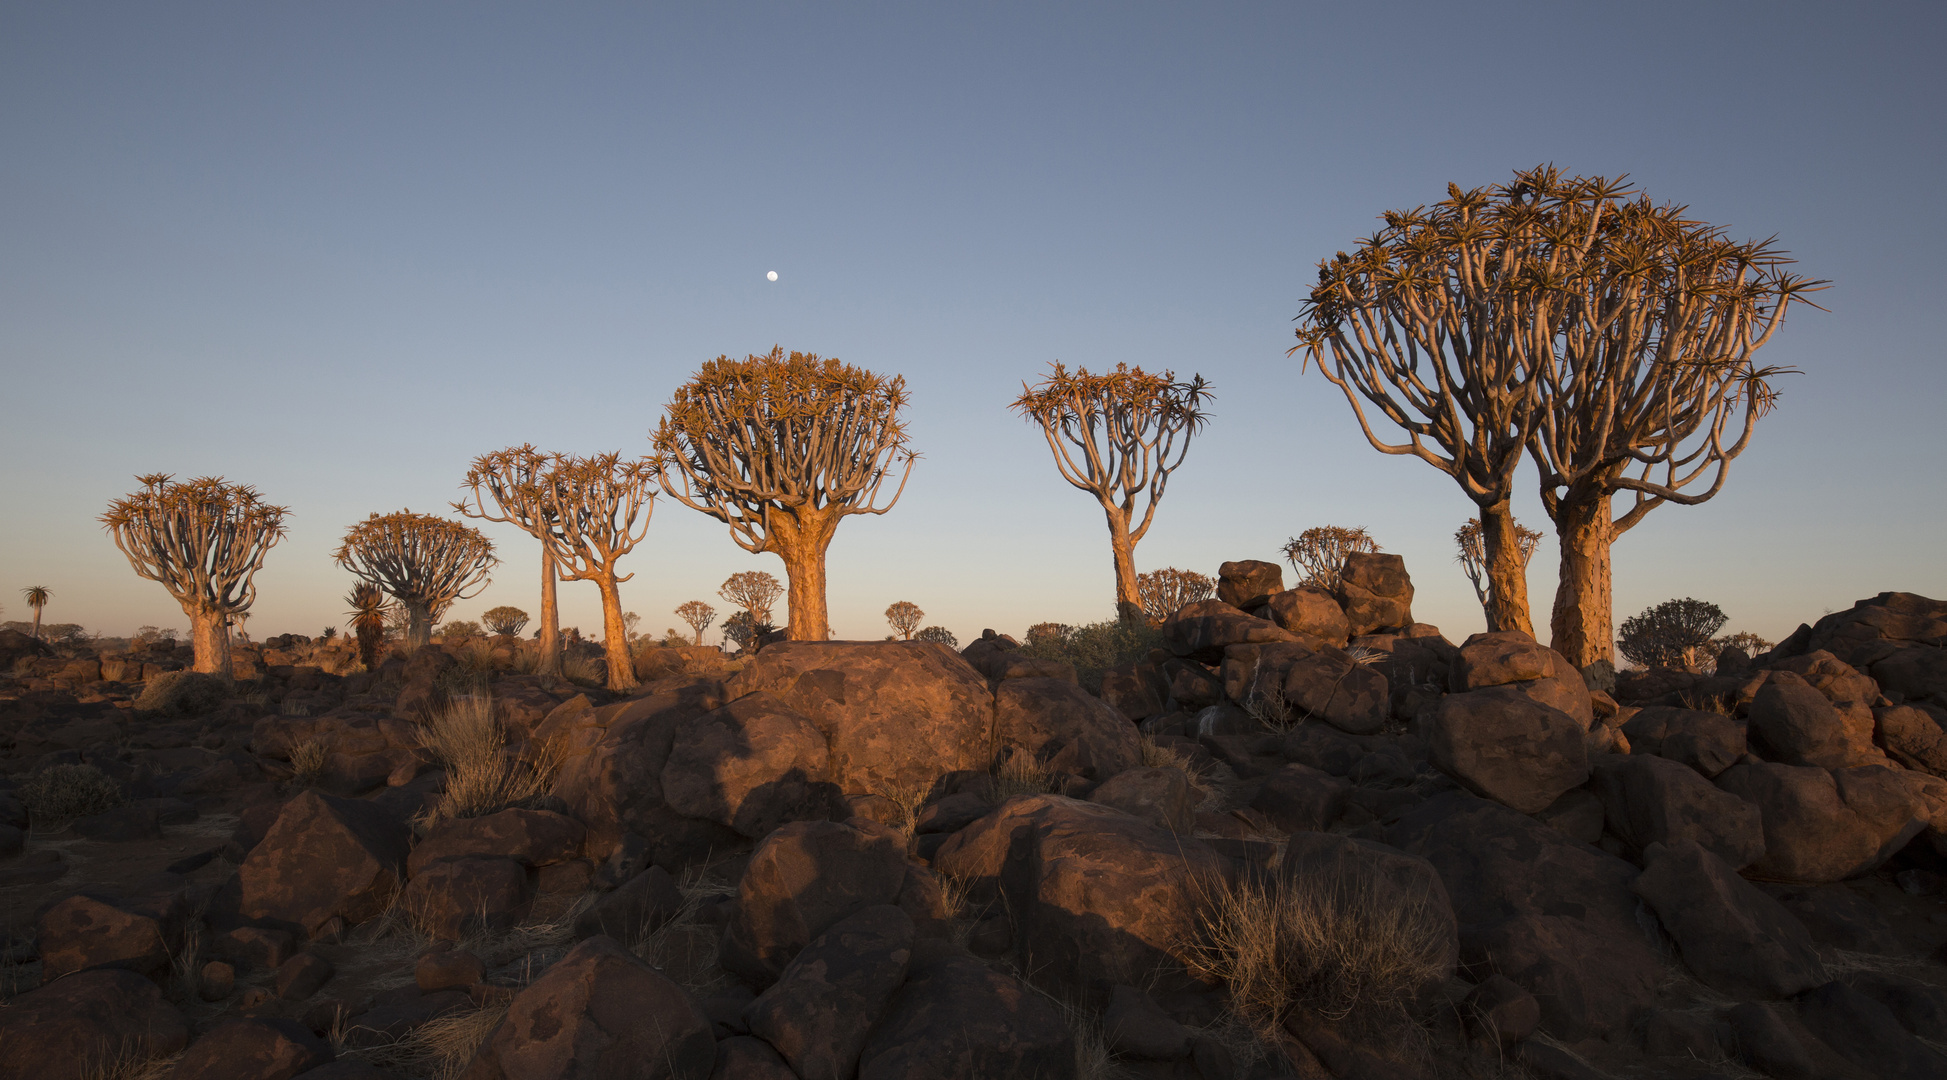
{"type": "Point", "coordinates": [582, 670]}
{"type": "Point", "coordinates": [60, 793]}
{"type": "Point", "coordinates": [1021, 773]}
{"type": "Point", "coordinates": [308, 761]}
{"type": "Point", "coordinates": [1339, 943]}
{"type": "Point", "coordinates": [484, 775]}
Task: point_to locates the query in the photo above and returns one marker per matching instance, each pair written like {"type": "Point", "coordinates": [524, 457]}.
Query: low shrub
{"type": "Point", "coordinates": [308, 760]}
{"type": "Point", "coordinates": [1093, 649]}
{"type": "Point", "coordinates": [1021, 773]}
{"type": "Point", "coordinates": [183, 693]}
{"type": "Point", "coordinates": [60, 793]}
{"type": "Point", "coordinates": [484, 775]}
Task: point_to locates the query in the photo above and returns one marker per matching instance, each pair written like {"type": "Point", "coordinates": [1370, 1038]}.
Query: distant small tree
{"type": "Point", "coordinates": [1750, 643]}
{"type": "Point", "coordinates": [630, 620]}
{"type": "Point", "coordinates": [505, 620]}
{"type": "Point", "coordinates": [1674, 633]}
{"type": "Point", "coordinates": [1473, 555]}
{"type": "Point", "coordinates": [598, 509]}
{"type": "Point", "coordinates": [905, 617]}
{"type": "Point", "coordinates": [458, 630]}
{"type": "Point", "coordinates": [204, 541]}
{"type": "Point", "coordinates": [37, 598]}
{"type": "Point", "coordinates": [699, 615]}
{"type": "Point", "coordinates": [1118, 436]}
{"type": "Point", "coordinates": [939, 635]}
{"type": "Point", "coordinates": [753, 590]}
{"type": "Point", "coordinates": [512, 480]}
{"type": "Point", "coordinates": [1166, 591]}
{"type": "Point", "coordinates": [744, 629]}
{"type": "Point", "coordinates": [781, 450]}
{"type": "Point", "coordinates": [1045, 634]}
{"type": "Point", "coordinates": [425, 562]}
{"type": "Point", "coordinates": [1319, 554]}
{"type": "Point", "coordinates": [368, 621]}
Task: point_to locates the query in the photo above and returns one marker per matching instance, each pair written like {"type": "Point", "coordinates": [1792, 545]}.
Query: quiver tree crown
{"type": "Point", "coordinates": [425, 562]}
{"type": "Point", "coordinates": [204, 541]}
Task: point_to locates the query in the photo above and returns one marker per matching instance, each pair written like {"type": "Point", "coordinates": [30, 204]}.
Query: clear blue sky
{"type": "Point", "coordinates": [337, 250]}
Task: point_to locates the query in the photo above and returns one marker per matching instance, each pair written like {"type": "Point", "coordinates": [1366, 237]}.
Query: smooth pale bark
{"type": "Point", "coordinates": [37, 622]}
{"type": "Point", "coordinates": [211, 639]}
{"type": "Point", "coordinates": [419, 624]}
{"type": "Point", "coordinates": [801, 540]}
{"type": "Point", "coordinates": [1583, 623]}
{"type": "Point", "coordinates": [615, 635]}
{"type": "Point", "coordinates": [1507, 571]}
{"type": "Point", "coordinates": [1128, 601]}
{"type": "Point", "coordinates": [550, 618]}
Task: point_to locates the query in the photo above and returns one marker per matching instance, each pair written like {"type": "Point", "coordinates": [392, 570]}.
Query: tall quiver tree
{"type": "Point", "coordinates": [425, 562]}
{"type": "Point", "coordinates": [1649, 387]}
{"type": "Point", "coordinates": [1118, 436]}
{"type": "Point", "coordinates": [782, 449]}
{"type": "Point", "coordinates": [599, 507]}
{"type": "Point", "coordinates": [204, 541]}
{"type": "Point", "coordinates": [510, 478]}
{"type": "Point", "coordinates": [1443, 322]}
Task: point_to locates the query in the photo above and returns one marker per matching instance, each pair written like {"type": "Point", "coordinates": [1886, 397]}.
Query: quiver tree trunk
{"type": "Point", "coordinates": [211, 635]}
{"type": "Point", "coordinates": [801, 541]}
{"type": "Point", "coordinates": [1507, 571]}
{"type": "Point", "coordinates": [1582, 626]}
{"type": "Point", "coordinates": [419, 624]}
{"type": "Point", "coordinates": [550, 639]}
{"type": "Point", "coordinates": [615, 636]}
{"type": "Point", "coordinates": [1128, 598]}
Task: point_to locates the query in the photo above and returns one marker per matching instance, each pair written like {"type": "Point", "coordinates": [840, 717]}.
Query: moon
{"type": "Point", "coordinates": [772, 276]}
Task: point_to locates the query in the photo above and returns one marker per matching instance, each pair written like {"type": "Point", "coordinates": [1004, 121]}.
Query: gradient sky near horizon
{"type": "Point", "coordinates": [337, 250]}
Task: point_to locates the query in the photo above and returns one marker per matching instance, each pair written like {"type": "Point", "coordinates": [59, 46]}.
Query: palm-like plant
{"type": "Point", "coordinates": [37, 598]}
{"type": "Point", "coordinates": [368, 614]}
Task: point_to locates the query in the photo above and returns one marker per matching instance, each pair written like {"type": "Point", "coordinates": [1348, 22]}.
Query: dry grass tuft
{"type": "Point", "coordinates": [308, 761]}
{"type": "Point", "coordinates": [582, 670]}
{"type": "Point", "coordinates": [132, 1065]}
{"type": "Point", "coordinates": [907, 799]}
{"type": "Point", "coordinates": [1021, 773]}
{"type": "Point", "coordinates": [60, 793]}
{"type": "Point", "coordinates": [1155, 756]}
{"type": "Point", "coordinates": [440, 1048]}
{"type": "Point", "coordinates": [1339, 944]}
{"type": "Point", "coordinates": [483, 775]}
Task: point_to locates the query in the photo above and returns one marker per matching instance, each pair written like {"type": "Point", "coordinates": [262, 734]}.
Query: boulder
{"type": "Point", "coordinates": [1501, 744]}
{"type": "Point", "coordinates": [1652, 800]}
{"type": "Point", "coordinates": [455, 897]}
{"type": "Point", "coordinates": [1823, 825]}
{"type": "Point", "coordinates": [742, 1057]}
{"type": "Point", "coordinates": [752, 766]}
{"type": "Point", "coordinates": [1160, 796]}
{"type": "Point", "coordinates": [1916, 734]}
{"type": "Point", "coordinates": [1867, 1034]}
{"type": "Point", "coordinates": [1203, 630]}
{"type": "Point", "coordinates": [1872, 629]}
{"type": "Point", "coordinates": [1734, 937]}
{"type": "Point", "coordinates": [599, 1013]}
{"type": "Point", "coordinates": [819, 1012]}
{"type": "Point", "coordinates": [1135, 1026]}
{"type": "Point", "coordinates": [1136, 691]}
{"type": "Point", "coordinates": [1839, 917]}
{"type": "Point", "coordinates": [1707, 742]}
{"type": "Point", "coordinates": [1376, 592]}
{"type": "Point", "coordinates": [85, 1024]}
{"type": "Point", "coordinates": [1095, 894]}
{"type": "Point", "coordinates": [1065, 726]}
{"type": "Point", "coordinates": [84, 932]}
{"type": "Point", "coordinates": [644, 903]}
{"type": "Point", "coordinates": [1249, 583]}
{"type": "Point", "coordinates": [958, 1019]}
{"type": "Point", "coordinates": [894, 714]}
{"type": "Point", "coordinates": [1512, 658]}
{"type": "Point", "coordinates": [303, 975]}
{"type": "Point", "coordinates": [1839, 681]}
{"type": "Point", "coordinates": [1766, 1042]}
{"type": "Point", "coordinates": [1501, 1012]}
{"type": "Point", "coordinates": [1914, 674]}
{"type": "Point", "coordinates": [323, 858]}
{"type": "Point", "coordinates": [1190, 685]}
{"type": "Point", "coordinates": [1792, 723]}
{"type": "Point", "coordinates": [1554, 915]}
{"type": "Point", "coordinates": [1333, 687]}
{"type": "Point", "coordinates": [447, 968]}
{"type": "Point", "coordinates": [1299, 798]}
{"type": "Point", "coordinates": [533, 838]}
{"type": "Point", "coordinates": [1310, 612]}
{"type": "Point", "coordinates": [1254, 675]}
{"type": "Point", "coordinates": [801, 880]}
{"type": "Point", "coordinates": [253, 1049]}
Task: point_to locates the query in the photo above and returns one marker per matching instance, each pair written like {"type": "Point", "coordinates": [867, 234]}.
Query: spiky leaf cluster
{"type": "Point", "coordinates": [204, 540]}
{"type": "Point", "coordinates": [418, 558]}
{"type": "Point", "coordinates": [1318, 554]}
{"type": "Point", "coordinates": [1168, 590]}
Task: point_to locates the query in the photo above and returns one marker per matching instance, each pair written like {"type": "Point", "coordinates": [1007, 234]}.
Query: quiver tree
{"type": "Point", "coordinates": [204, 541]}
{"type": "Point", "coordinates": [1118, 436]}
{"type": "Point", "coordinates": [511, 479]}
{"type": "Point", "coordinates": [1164, 592]}
{"type": "Point", "coordinates": [1318, 554]}
{"type": "Point", "coordinates": [1649, 388]}
{"type": "Point", "coordinates": [753, 590]}
{"type": "Point", "coordinates": [368, 621]}
{"type": "Point", "coordinates": [37, 597]}
{"type": "Point", "coordinates": [1674, 633]}
{"type": "Point", "coordinates": [743, 630]}
{"type": "Point", "coordinates": [905, 617]}
{"type": "Point", "coordinates": [505, 620]}
{"type": "Point", "coordinates": [425, 562]}
{"type": "Point", "coordinates": [781, 450]}
{"type": "Point", "coordinates": [1444, 322]}
{"type": "Point", "coordinates": [599, 510]}
{"type": "Point", "coordinates": [698, 615]}
{"type": "Point", "coordinates": [1473, 555]}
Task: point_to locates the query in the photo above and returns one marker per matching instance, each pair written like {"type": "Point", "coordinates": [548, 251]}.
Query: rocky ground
{"type": "Point", "coordinates": [1305, 837]}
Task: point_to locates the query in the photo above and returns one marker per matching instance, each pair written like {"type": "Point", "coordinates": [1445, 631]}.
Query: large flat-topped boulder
{"type": "Point", "coordinates": [895, 714]}
{"type": "Point", "coordinates": [1376, 592]}
{"type": "Point", "coordinates": [1203, 630]}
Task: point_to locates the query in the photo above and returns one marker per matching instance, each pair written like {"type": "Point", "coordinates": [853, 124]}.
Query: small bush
{"type": "Point", "coordinates": [1341, 945]}
{"type": "Point", "coordinates": [582, 670]}
{"type": "Point", "coordinates": [183, 693]}
{"type": "Point", "coordinates": [483, 775]}
{"type": "Point", "coordinates": [308, 760]}
{"type": "Point", "coordinates": [1021, 773]}
{"type": "Point", "coordinates": [59, 794]}
{"type": "Point", "coordinates": [1673, 634]}
{"type": "Point", "coordinates": [1093, 649]}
